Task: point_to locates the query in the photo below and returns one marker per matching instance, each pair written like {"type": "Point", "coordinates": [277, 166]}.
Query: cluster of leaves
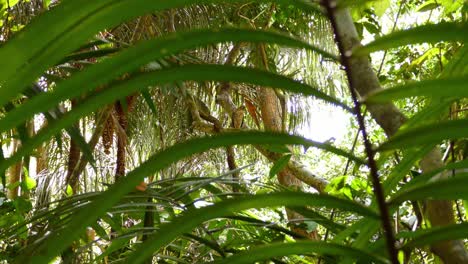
{"type": "Point", "coordinates": [28, 56]}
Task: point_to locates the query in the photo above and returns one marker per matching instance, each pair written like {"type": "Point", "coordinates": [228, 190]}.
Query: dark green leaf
{"type": "Point", "coordinates": [301, 248]}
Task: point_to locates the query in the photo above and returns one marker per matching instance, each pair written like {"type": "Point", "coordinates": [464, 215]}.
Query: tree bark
{"type": "Point", "coordinates": [73, 158]}
{"type": "Point", "coordinates": [14, 172]}
{"type": "Point", "coordinates": [389, 117]}
{"type": "Point", "coordinates": [271, 113]}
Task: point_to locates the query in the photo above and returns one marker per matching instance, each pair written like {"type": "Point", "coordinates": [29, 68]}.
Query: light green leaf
{"type": "Point", "coordinates": [69, 190]}
{"type": "Point", "coordinates": [427, 134]}
{"type": "Point", "coordinates": [381, 6]}
{"type": "Point", "coordinates": [30, 183]}
{"type": "Point", "coordinates": [447, 87]}
{"type": "Point", "coordinates": [427, 6]}
{"type": "Point", "coordinates": [422, 34]}
{"type": "Point", "coordinates": [279, 165]}
{"type": "Point", "coordinates": [301, 248]}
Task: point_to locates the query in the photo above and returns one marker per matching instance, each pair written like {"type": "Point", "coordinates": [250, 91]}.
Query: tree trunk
{"type": "Point", "coordinates": [389, 117]}
{"type": "Point", "coordinates": [73, 158]}
{"type": "Point", "coordinates": [271, 110]}
{"type": "Point", "coordinates": [14, 172]}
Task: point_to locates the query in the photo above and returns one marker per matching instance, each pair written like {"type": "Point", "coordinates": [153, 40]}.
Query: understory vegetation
{"type": "Point", "coordinates": [282, 131]}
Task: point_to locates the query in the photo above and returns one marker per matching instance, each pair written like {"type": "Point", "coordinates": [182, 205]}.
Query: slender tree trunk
{"type": "Point", "coordinates": [73, 158]}
{"type": "Point", "coordinates": [389, 117]}
{"type": "Point", "coordinates": [14, 172]}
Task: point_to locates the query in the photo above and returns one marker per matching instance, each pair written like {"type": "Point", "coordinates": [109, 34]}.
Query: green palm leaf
{"type": "Point", "coordinates": [54, 244]}
{"type": "Point", "coordinates": [131, 59]}
{"type": "Point", "coordinates": [452, 31]}
{"type": "Point", "coordinates": [301, 248]}
{"type": "Point", "coordinates": [183, 73]}
{"type": "Point", "coordinates": [427, 134]}
{"type": "Point", "coordinates": [447, 87]}
{"type": "Point", "coordinates": [68, 26]}
{"type": "Point", "coordinates": [447, 189]}
{"type": "Point", "coordinates": [436, 234]}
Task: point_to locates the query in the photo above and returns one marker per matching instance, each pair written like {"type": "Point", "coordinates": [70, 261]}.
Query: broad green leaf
{"type": "Point", "coordinates": [29, 183]}
{"type": "Point", "coordinates": [427, 6]}
{"type": "Point", "coordinates": [116, 244]}
{"type": "Point", "coordinates": [4, 4]}
{"type": "Point", "coordinates": [29, 54]}
{"type": "Point", "coordinates": [54, 244]}
{"type": "Point", "coordinates": [422, 34]}
{"type": "Point", "coordinates": [427, 134]}
{"type": "Point", "coordinates": [131, 59]}
{"type": "Point", "coordinates": [381, 6]}
{"type": "Point", "coordinates": [183, 73]}
{"type": "Point", "coordinates": [447, 189]}
{"type": "Point", "coordinates": [447, 87]}
{"type": "Point", "coordinates": [279, 165]}
{"type": "Point", "coordinates": [69, 190]}
{"type": "Point", "coordinates": [301, 248]}
{"type": "Point", "coordinates": [437, 234]}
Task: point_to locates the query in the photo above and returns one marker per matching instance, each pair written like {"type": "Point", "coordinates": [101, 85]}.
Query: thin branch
{"type": "Point", "coordinates": [330, 7]}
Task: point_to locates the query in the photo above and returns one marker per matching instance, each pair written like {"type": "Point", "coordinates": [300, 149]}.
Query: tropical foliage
{"type": "Point", "coordinates": [179, 131]}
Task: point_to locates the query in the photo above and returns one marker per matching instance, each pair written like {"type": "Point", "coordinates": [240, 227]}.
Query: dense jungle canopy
{"type": "Point", "coordinates": [281, 131]}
